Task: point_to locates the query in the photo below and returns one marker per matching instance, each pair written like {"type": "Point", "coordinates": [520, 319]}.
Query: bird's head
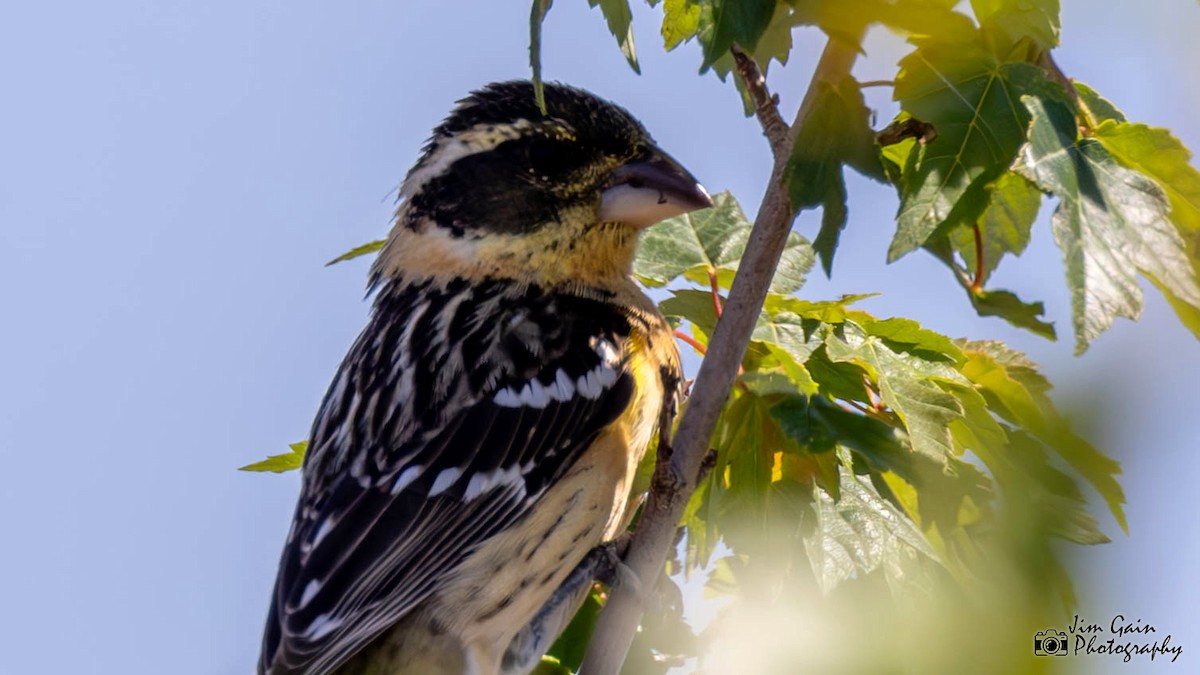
{"type": "Point", "coordinates": [503, 190]}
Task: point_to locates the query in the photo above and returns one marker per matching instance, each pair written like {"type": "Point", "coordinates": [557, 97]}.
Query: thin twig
{"type": "Point", "coordinates": [874, 412]}
{"type": "Point", "coordinates": [866, 410]}
{"type": "Point", "coordinates": [977, 282]}
{"type": "Point", "coordinates": [766, 106]}
{"type": "Point", "coordinates": [871, 397]}
{"type": "Point", "coordinates": [676, 479]}
{"type": "Point", "coordinates": [715, 287]}
{"type": "Point", "coordinates": [692, 342]}
{"type": "Point", "coordinates": [876, 83]}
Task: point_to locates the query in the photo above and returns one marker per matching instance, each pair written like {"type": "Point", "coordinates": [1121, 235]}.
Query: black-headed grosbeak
{"type": "Point", "coordinates": [480, 438]}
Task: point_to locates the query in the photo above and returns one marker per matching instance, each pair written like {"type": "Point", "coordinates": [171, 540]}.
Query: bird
{"type": "Point", "coordinates": [474, 452]}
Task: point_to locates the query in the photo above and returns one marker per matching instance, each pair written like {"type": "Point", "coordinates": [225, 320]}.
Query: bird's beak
{"type": "Point", "coordinates": [650, 189]}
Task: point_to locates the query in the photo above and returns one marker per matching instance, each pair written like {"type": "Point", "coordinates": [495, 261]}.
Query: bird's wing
{"type": "Point", "coordinates": [455, 409]}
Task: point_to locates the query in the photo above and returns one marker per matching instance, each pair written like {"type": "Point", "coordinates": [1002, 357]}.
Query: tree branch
{"type": "Point", "coordinates": [766, 106]}
{"type": "Point", "coordinates": [676, 479]}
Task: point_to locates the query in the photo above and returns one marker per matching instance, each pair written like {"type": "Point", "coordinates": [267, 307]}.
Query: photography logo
{"type": "Point", "coordinates": [1124, 638]}
{"type": "Point", "coordinates": [1050, 643]}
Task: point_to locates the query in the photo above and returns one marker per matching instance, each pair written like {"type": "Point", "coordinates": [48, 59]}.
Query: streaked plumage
{"type": "Point", "coordinates": [479, 438]}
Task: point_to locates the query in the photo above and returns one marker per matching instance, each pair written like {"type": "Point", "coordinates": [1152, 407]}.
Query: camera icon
{"type": "Point", "coordinates": [1050, 643]}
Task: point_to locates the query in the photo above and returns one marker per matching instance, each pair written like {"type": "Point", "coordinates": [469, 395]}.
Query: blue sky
{"type": "Point", "coordinates": [174, 173]}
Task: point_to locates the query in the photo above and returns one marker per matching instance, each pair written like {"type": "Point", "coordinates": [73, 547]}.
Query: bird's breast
{"type": "Point", "coordinates": [511, 576]}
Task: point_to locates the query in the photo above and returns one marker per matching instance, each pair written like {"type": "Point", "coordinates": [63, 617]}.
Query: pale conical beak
{"type": "Point", "coordinates": [651, 189]}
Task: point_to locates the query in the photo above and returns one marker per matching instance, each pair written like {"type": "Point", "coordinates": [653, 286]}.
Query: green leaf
{"type": "Point", "coordinates": [1012, 309]}
{"type": "Point", "coordinates": [723, 578]}
{"type": "Point", "coordinates": [973, 100]}
{"type": "Point", "coordinates": [681, 20]}
{"type": "Point", "coordinates": [691, 305]}
{"type": "Point", "coordinates": [713, 240]}
{"type": "Point", "coordinates": [1111, 224]}
{"type": "Point", "coordinates": [1049, 490]}
{"type": "Point", "coordinates": [288, 461]}
{"type": "Point", "coordinates": [779, 329]}
{"type": "Point", "coordinates": [550, 666]}
{"type": "Point", "coordinates": [620, 24]}
{"type": "Point", "coordinates": [1003, 304]}
{"type": "Point", "coordinates": [863, 532]}
{"type": "Point", "coordinates": [826, 311]}
{"type": "Point", "coordinates": [791, 333]}
{"type": "Point", "coordinates": [738, 433]}
{"type": "Point", "coordinates": [768, 382]}
{"type": "Point", "coordinates": [537, 14]}
{"type": "Point", "coordinates": [1008, 22]}
{"type": "Point", "coordinates": [794, 265]}
{"type": "Point", "coordinates": [775, 43]}
{"type": "Point", "coordinates": [950, 496]}
{"type": "Point", "coordinates": [1005, 226]}
{"type": "Point", "coordinates": [846, 19]}
{"type": "Point", "coordinates": [750, 458]}
{"type": "Point", "coordinates": [907, 384]}
{"type": "Point", "coordinates": [726, 22]}
{"type": "Point", "coordinates": [978, 429]}
{"type": "Point", "coordinates": [777, 372]}
{"type": "Point", "coordinates": [838, 132]}
{"type": "Point", "coordinates": [567, 651]}
{"type": "Point", "coordinates": [695, 242]}
{"type": "Point", "coordinates": [908, 336]}
{"type": "Point", "coordinates": [358, 251]}
{"type": "Point", "coordinates": [820, 425]}
{"type": "Point", "coordinates": [1099, 109]}
{"type": "Point", "coordinates": [1154, 152]}
{"type": "Point", "coordinates": [837, 379]}
{"type": "Point", "coordinates": [1158, 154]}
{"type": "Point", "coordinates": [1016, 391]}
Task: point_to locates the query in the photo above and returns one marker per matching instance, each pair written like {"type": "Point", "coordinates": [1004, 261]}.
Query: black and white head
{"type": "Point", "coordinates": [498, 165]}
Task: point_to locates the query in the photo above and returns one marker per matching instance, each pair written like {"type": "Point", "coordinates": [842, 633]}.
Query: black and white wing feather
{"type": "Point", "coordinates": [455, 409]}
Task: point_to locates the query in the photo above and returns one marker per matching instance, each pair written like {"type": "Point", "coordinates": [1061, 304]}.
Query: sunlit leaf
{"type": "Point", "coordinates": [790, 333]}
{"type": "Point", "coordinates": [1016, 391]}
{"type": "Point", "coordinates": [288, 461]}
{"type": "Point", "coordinates": [973, 100]}
{"type": "Point", "coordinates": [681, 20]}
{"type": "Point", "coordinates": [861, 533]}
{"type": "Point", "coordinates": [1098, 108]}
{"type": "Point", "coordinates": [908, 335]}
{"type": "Point", "coordinates": [1008, 22]}
{"type": "Point", "coordinates": [845, 19]}
{"type": "Point", "coordinates": [1007, 306]}
{"type": "Point", "coordinates": [837, 379]}
{"type": "Point", "coordinates": [357, 251]}
{"type": "Point", "coordinates": [789, 376]}
{"type": "Point", "coordinates": [537, 14]}
{"type": "Point", "coordinates": [1156, 153]}
{"type": "Point", "coordinates": [712, 240]}
{"type": "Point", "coordinates": [1111, 224]}
{"type": "Point", "coordinates": [838, 132]}
{"type": "Point", "coordinates": [907, 385]}
{"type": "Point", "coordinates": [726, 22]}
{"type": "Point", "coordinates": [620, 24]}
{"type": "Point", "coordinates": [1004, 227]}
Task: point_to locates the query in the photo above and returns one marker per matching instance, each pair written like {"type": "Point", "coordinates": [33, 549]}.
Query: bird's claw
{"type": "Point", "coordinates": [610, 563]}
